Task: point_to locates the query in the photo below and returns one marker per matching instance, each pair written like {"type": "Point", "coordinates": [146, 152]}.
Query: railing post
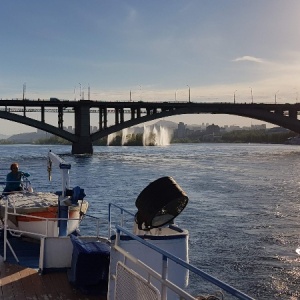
{"type": "Point", "coordinates": [109, 220]}
{"type": "Point", "coordinates": [117, 237]}
{"type": "Point", "coordinates": [47, 227]}
{"type": "Point", "coordinates": [164, 276]}
{"type": "Point", "coordinates": [6, 242]}
{"type": "Point", "coordinates": [5, 229]}
{"type": "Point", "coordinates": [122, 217]}
{"type": "Point", "coordinates": [42, 253]}
{"type": "Point", "coordinates": [98, 228]}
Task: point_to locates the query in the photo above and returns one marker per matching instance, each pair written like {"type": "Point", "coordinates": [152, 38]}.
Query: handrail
{"type": "Point", "coordinates": [24, 182]}
{"type": "Point", "coordinates": [167, 255]}
{"type": "Point", "coordinates": [6, 228]}
{"type": "Point", "coordinates": [43, 218]}
{"type": "Point", "coordinates": [5, 182]}
{"type": "Point", "coordinates": [110, 205]}
{"type": "Point", "coordinates": [155, 274]}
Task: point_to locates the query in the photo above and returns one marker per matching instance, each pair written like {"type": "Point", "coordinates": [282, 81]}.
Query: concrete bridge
{"type": "Point", "coordinates": [128, 114]}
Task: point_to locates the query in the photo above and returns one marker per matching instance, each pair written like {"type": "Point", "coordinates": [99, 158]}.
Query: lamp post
{"type": "Point", "coordinates": [175, 95]}
{"type": "Point", "coordinates": [24, 90]}
{"type": "Point", "coordinates": [80, 91]}
{"type": "Point", "coordinates": [297, 94]}
{"type": "Point", "coordinates": [234, 96]}
{"type": "Point", "coordinates": [251, 95]}
{"type": "Point", "coordinates": [189, 93]}
{"type": "Point", "coordinates": [276, 96]}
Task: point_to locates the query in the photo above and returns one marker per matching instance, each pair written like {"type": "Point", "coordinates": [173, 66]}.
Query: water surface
{"type": "Point", "coordinates": [243, 211]}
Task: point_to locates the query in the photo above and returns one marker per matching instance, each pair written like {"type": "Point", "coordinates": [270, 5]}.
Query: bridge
{"type": "Point", "coordinates": [128, 114]}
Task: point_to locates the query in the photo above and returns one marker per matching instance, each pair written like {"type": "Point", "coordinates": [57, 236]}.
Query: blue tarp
{"type": "Point", "coordinates": [89, 266]}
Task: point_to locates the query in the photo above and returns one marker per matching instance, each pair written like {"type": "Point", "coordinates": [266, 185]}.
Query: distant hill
{"type": "Point", "coordinates": [31, 137]}
{"type": "Point", "coordinates": [28, 137]}
{"type": "Point", "coordinates": [3, 136]}
{"type": "Point", "coordinates": [168, 124]}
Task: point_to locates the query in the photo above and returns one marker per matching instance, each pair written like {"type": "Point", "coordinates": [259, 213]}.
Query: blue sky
{"type": "Point", "coordinates": [156, 49]}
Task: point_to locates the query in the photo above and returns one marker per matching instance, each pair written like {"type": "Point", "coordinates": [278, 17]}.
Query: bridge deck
{"type": "Point", "coordinates": [284, 115]}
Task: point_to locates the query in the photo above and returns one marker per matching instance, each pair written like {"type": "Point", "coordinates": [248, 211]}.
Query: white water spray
{"type": "Point", "coordinates": [164, 136]}
{"type": "Point", "coordinates": [124, 136]}
{"type": "Point", "coordinates": [156, 137]}
{"type": "Point", "coordinates": [152, 135]}
{"type": "Point", "coordinates": [110, 138]}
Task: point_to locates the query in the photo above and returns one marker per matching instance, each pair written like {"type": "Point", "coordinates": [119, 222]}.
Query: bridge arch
{"type": "Point", "coordinates": [290, 123]}
{"type": "Point", "coordinates": [38, 124]}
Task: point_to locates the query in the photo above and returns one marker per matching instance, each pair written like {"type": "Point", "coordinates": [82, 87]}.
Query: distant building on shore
{"type": "Point", "coordinates": [184, 130]}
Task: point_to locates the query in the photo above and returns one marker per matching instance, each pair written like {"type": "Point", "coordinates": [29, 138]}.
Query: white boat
{"type": "Point", "coordinates": [143, 253]}
{"type": "Point", "coordinates": [36, 214]}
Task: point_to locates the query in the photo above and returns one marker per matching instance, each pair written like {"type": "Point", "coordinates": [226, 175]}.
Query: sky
{"type": "Point", "coordinates": [158, 50]}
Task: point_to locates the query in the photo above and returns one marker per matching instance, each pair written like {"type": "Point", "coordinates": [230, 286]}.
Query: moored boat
{"type": "Point", "coordinates": [37, 214]}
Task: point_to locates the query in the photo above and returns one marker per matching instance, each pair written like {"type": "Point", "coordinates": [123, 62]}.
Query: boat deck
{"type": "Point", "coordinates": [18, 282]}
{"type": "Point", "coordinates": [23, 281]}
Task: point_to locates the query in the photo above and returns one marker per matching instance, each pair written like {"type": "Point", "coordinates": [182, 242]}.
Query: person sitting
{"type": "Point", "coordinates": [14, 179]}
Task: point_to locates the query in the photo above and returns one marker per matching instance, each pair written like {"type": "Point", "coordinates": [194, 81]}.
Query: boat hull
{"type": "Point", "coordinates": [37, 217]}
{"type": "Point", "coordinates": [36, 227]}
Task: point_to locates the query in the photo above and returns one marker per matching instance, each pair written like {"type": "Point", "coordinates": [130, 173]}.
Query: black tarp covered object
{"type": "Point", "coordinates": [159, 203]}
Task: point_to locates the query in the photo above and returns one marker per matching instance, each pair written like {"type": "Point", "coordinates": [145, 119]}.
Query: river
{"type": "Point", "coordinates": [243, 210]}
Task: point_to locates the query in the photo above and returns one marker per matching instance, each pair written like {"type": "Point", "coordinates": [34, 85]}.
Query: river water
{"type": "Point", "coordinates": [243, 211]}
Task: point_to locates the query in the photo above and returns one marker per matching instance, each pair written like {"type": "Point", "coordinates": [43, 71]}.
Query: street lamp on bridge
{"type": "Point", "coordinates": [276, 95]}
{"type": "Point", "coordinates": [80, 91]}
{"type": "Point", "coordinates": [189, 93]}
{"type": "Point", "coordinates": [140, 93]}
{"type": "Point", "coordinates": [24, 90]}
{"type": "Point", "coordinates": [251, 95]}
{"type": "Point", "coordinates": [234, 96]}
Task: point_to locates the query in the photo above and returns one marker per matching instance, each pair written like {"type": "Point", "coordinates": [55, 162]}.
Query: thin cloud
{"type": "Point", "coordinates": [249, 58]}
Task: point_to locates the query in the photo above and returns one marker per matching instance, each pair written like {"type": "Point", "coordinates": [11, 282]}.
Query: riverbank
{"type": "Point", "coordinates": [268, 136]}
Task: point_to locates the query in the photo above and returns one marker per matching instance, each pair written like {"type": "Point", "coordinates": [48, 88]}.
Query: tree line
{"type": "Point", "coordinates": [239, 136]}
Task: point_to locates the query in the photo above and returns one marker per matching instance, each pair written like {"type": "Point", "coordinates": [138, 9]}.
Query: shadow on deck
{"type": "Point", "coordinates": [23, 281]}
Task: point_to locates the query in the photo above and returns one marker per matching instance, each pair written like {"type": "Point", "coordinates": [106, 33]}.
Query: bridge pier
{"type": "Point", "coordinates": [83, 146]}
{"type": "Point", "coordinates": [84, 143]}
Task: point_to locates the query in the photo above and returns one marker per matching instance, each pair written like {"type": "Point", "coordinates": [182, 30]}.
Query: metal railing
{"type": "Point", "coordinates": [122, 219]}
{"type": "Point", "coordinates": [25, 184]}
{"type": "Point", "coordinates": [15, 231]}
{"type": "Point", "coordinates": [165, 258]}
